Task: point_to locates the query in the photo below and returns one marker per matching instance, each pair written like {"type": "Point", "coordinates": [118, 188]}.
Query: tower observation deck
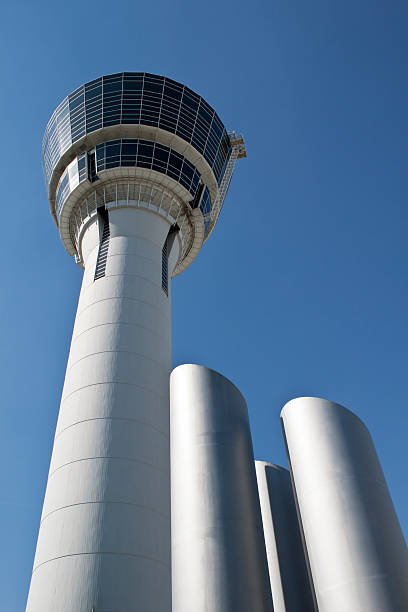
{"type": "Point", "coordinates": [137, 167]}
{"type": "Point", "coordinates": [138, 138]}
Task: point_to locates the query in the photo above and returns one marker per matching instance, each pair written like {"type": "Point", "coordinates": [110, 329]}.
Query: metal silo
{"type": "Point", "coordinates": [218, 553]}
{"type": "Point", "coordinates": [357, 554]}
{"type": "Point", "coordinates": [291, 591]}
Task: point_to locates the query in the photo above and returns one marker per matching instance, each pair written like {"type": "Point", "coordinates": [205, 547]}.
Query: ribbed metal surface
{"type": "Point", "coordinates": [218, 553]}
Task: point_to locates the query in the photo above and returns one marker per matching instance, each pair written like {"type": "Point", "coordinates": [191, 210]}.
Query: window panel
{"type": "Point", "coordinates": [161, 154]}
{"type": "Point", "coordinates": [128, 161]}
{"type": "Point", "coordinates": [183, 133]}
{"type": "Point", "coordinates": [75, 102]}
{"type": "Point", "coordinates": [145, 149]}
{"type": "Point", "coordinates": [159, 166]}
{"type": "Point", "coordinates": [181, 111]}
{"type": "Point", "coordinates": [195, 181]}
{"type": "Point", "coordinates": [188, 170]}
{"type": "Point", "coordinates": [109, 121]}
{"type": "Point", "coordinates": [175, 160]}
{"type": "Point", "coordinates": [191, 101]}
{"type": "Point", "coordinates": [168, 125]}
{"type": "Point", "coordinates": [172, 93]}
{"type": "Point", "coordinates": [144, 162]}
{"type": "Point", "coordinates": [132, 85]}
{"type": "Point", "coordinates": [185, 182]}
{"type": "Point", "coordinates": [112, 87]}
{"type": "Point", "coordinates": [151, 98]}
{"type": "Point", "coordinates": [173, 173]}
{"type": "Point", "coordinates": [95, 92]}
{"type": "Point", "coordinates": [112, 151]}
{"type": "Point", "coordinates": [129, 148]}
{"type": "Point", "coordinates": [205, 115]}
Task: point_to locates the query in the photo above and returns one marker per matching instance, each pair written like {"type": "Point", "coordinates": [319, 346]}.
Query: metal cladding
{"type": "Point", "coordinates": [218, 553]}
{"type": "Point", "coordinates": [287, 565]}
{"type": "Point", "coordinates": [357, 554]}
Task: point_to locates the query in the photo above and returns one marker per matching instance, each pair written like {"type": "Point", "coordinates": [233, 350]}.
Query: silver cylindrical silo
{"type": "Point", "coordinates": [357, 554]}
{"type": "Point", "coordinates": [218, 553]}
{"type": "Point", "coordinates": [291, 591]}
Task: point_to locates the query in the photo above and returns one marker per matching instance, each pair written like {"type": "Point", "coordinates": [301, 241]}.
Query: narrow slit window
{"type": "Point", "coordinates": [103, 244]}
{"type": "Point", "coordinates": [165, 268]}
{"type": "Point", "coordinates": [92, 171]}
{"type": "Point", "coordinates": [168, 244]}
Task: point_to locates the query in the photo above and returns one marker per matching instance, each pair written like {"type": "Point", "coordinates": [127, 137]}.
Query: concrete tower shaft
{"type": "Point", "coordinates": [137, 167]}
{"type": "Point", "coordinates": [105, 527]}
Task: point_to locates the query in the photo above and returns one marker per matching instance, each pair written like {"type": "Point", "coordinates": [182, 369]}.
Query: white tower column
{"type": "Point", "coordinates": [104, 541]}
{"type": "Point", "coordinates": [357, 554]}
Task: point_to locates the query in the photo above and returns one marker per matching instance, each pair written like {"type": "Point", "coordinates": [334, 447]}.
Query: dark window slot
{"type": "Point", "coordinates": [103, 219]}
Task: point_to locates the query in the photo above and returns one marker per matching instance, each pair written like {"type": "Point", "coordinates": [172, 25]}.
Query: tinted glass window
{"type": "Point", "coordinates": [136, 98]}
{"type": "Point", "coordinates": [129, 147]}
{"type": "Point", "coordinates": [175, 161]}
{"type": "Point", "coordinates": [161, 154]}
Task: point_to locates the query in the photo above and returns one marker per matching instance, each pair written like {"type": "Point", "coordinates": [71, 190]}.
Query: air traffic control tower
{"type": "Point", "coordinates": [137, 167]}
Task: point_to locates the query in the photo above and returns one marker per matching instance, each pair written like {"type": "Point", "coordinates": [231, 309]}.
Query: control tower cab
{"type": "Point", "coordinates": [138, 140]}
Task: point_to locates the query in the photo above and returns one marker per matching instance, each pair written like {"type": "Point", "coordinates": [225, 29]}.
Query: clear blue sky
{"type": "Point", "coordinates": [302, 288]}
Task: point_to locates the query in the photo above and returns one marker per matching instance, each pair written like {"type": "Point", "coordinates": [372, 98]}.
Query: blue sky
{"type": "Point", "coordinates": [301, 290]}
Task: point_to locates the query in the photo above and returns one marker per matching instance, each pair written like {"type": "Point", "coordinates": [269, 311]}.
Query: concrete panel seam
{"type": "Point", "coordinates": [154, 261]}
{"type": "Point", "coordinates": [108, 418]}
{"type": "Point", "coordinates": [124, 503]}
{"type": "Point", "coordinates": [152, 331]}
{"type": "Point", "coordinates": [113, 382]}
{"type": "Point", "coordinates": [110, 458]}
{"type": "Point", "coordinates": [147, 280]}
{"type": "Point", "coordinates": [122, 297]}
{"type": "Point", "coordinates": [139, 239]}
{"type": "Point", "coordinates": [72, 365]}
{"type": "Point", "coordinates": [166, 565]}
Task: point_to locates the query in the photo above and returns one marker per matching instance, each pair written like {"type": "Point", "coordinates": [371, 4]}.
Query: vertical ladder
{"type": "Point", "coordinates": [238, 151]}
{"type": "Point", "coordinates": [103, 247]}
